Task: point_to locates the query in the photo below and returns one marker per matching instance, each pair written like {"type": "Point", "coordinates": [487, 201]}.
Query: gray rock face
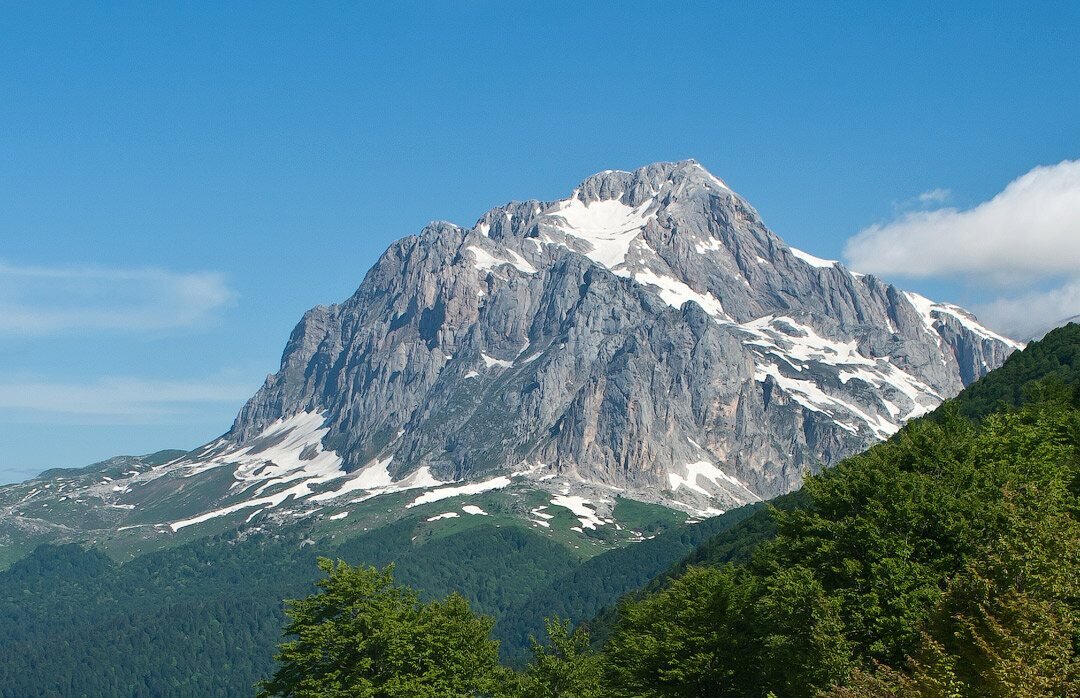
{"type": "Point", "coordinates": [647, 333]}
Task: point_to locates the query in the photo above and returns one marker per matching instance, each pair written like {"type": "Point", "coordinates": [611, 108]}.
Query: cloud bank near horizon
{"type": "Point", "coordinates": [1028, 233]}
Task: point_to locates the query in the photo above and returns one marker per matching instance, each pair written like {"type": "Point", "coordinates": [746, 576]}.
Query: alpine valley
{"type": "Point", "coordinates": [581, 388]}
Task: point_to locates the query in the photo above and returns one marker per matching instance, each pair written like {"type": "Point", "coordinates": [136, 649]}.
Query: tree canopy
{"type": "Point", "coordinates": [362, 635]}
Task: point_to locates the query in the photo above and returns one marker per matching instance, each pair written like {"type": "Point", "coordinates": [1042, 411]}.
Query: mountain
{"type": "Point", "coordinates": [646, 333]}
{"type": "Point", "coordinates": [646, 338]}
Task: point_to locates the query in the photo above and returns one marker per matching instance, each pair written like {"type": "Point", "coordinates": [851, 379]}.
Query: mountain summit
{"type": "Point", "coordinates": [646, 333]}
{"type": "Point", "coordinates": [647, 337]}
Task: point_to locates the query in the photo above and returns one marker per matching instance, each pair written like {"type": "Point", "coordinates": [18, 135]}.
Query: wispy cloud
{"type": "Point", "coordinates": [1030, 314]}
{"type": "Point", "coordinates": [45, 300]}
{"type": "Point", "coordinates": [927, 200]}
{"type": "Point", "coordinates": [934, 196]}
{"type": "Point", "coordinates": [1028, 233]}
{"type": "Point", "coordinates": [119, 398]}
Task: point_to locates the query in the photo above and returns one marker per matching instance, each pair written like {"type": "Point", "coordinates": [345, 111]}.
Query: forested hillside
{"type": "Point", "coordinates": [203, 618]}
{"type": "Point", "coordinates": [939, 563]}
{"type": "Point", "coordinates": [946, 556]}
{"type": "Point", "coordinates": [1053, 359]}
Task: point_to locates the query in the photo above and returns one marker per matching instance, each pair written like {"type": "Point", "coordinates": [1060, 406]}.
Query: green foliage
{"type": "Point", "coordinates": [739, 543]}
{"type": "Point", "coordinates": [890, 527]}
{"type": "Point", "coordinates": [887, 527]}
{"type": "Point", "coordinates": [722, 631]}
{"type": "Point", "coordinates": [1054, 360]}
{"type": "Point", "coordinates": [585, 591]}
{"type": "Point", "coordinates": [1006, 624]}
{"type": "Point", "coordinates": [797, 637]}
{"type": "Point", "coordinates": [202, 619]}
{"type": "Point", "coordinates": [948, 553]}
{"type": "Point", "coordinates": [565, 667]}
{"type": "Point", "coordinates": [196, 620]}
{"type": "Point", "coordinates": [495, 568]}
{"type": "Point", "coordinates": [645, 518]}
{"type": "Point", "coordinates": [362, 635]}
{"type": "Point", "coordinates": [688, 640]}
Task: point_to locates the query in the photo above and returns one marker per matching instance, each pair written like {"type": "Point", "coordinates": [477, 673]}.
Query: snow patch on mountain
{"type": "Point", "coordinates": [495, 363]}
{"type": "Point", "coordinates": [810, 395]}
{"type": "Point", "coordinates": [373, 476]}
{"type": "Point", "coordinates": [813, 261]}
{"type": "Point", "coordinates": [705, 470]}
{"type": "Point", "coordinates": [485, 261]}
{"type": "Point", "coordinates": [802, 349]}
{"type": "Point", "coordinates": [608, 227]}
{"type": "Point", "coordinates": [288, 449]}
{"type": "Point", "coordinates": [582, 508]}
{"type": "Point", "coordinates": [798, 343]}
{"type": "Point", "coordinates": [440, 494]}
{"type": "Point", "coordinates": [289, 455]}
{"type": "Point", "coordinates": [675, 293]}
{"type": "Point", "coordinates": [928, 308]}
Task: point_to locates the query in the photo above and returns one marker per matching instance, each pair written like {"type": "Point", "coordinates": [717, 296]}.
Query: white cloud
{"type": "Point", "coordinates": [1028, 233]}
{"type": "Point", "coordinates": [1031, 314]}
{"type": "Point", "coordinates": [934, 196]}
{"type": "Point", "coordinates": [123, 398]}
{"type": "Point", "coordinates": [46, 300]}
{"type": "Point", "coordinates": [1030, 230]}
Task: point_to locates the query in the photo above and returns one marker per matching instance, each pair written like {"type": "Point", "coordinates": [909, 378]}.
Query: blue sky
{"type": "Point", "coordinates": [180, 181]}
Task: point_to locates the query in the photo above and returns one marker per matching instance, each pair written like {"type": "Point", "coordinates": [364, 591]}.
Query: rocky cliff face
{"type": "Point", "coordinates": [647, 333]}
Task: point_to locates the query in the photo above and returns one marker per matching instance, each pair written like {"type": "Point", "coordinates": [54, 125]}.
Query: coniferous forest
{"type": "Point", "coordinates": [942, 562]}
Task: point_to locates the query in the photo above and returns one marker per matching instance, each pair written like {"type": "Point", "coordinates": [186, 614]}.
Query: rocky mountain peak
{"type": "Point", "coordinates": [646, 334]}
{"type": "Point", "coordinates": [645, 337]}
{"type": "Point", "coordinates": [659, 181]}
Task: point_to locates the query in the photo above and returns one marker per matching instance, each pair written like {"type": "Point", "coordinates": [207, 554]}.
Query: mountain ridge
{"type": "Point", "coordinates": [628, 225]}
{"type": "Point", "coordinates": [646, 337]}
